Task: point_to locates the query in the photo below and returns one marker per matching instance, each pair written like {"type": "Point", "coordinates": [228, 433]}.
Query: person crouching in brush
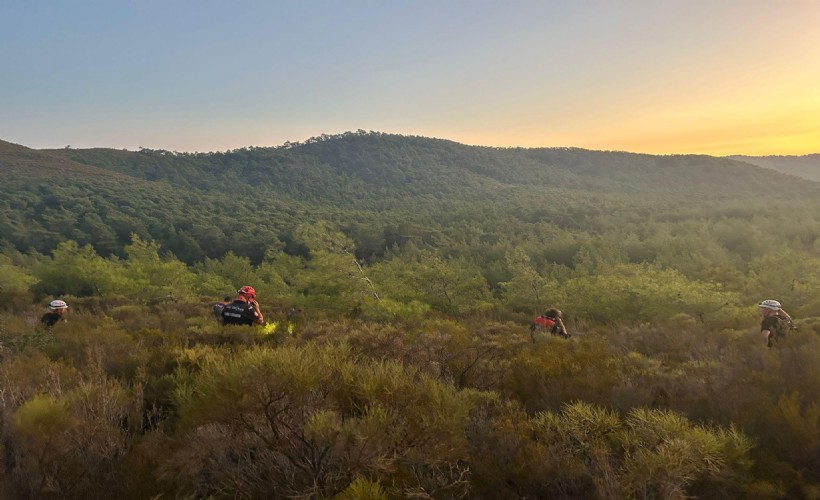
{"type": "Point", "coordinates": [244, 310]}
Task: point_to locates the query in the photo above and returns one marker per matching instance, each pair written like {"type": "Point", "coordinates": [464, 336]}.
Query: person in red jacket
{"type": "Point", "coordinates": [551, 322]}
{"type": "Point", "coordinates": [244, 310]}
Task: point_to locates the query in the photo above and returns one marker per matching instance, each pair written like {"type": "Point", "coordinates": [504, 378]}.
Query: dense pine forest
{"type": "Point", "coordinates": [399, 277]}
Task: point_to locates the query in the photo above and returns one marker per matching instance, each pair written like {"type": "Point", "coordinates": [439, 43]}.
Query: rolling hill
{"type": "Point", "coordinates": [18, 161]}
{"type": "Point", "coordinates": [376, 164]}
{"type": "Point", "coordinates": [385, 188]}
{"type": "Point", "coordinates": [806, 166]}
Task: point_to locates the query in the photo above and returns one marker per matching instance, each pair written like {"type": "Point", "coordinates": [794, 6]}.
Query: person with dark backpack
{"type": "Point", "coordinates": [550, 321]}
{"type": "Point", "coordinates": [58, 309]}
{"type": "Point", "coordinates": [776, 322]}
{"type": "Point", "coordinates": [244, 310]}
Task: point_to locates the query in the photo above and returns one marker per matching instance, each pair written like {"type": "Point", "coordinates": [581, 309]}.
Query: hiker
{"type": "Point", "coordinates": [776, 322]}
{"type": "Point", "coordinates": [217, 308]}
{"type": "Point", "coordinates": [244, 310]}
{"type": "Point", "coordinates": [58, 308]}
{"type": "Point", "coordinates": [551, 321]}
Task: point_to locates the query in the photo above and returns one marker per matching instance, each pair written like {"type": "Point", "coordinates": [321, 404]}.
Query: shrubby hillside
{"type": "Point", "coordinates": [399, 276]}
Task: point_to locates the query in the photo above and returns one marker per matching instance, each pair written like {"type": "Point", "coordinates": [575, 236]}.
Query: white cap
{"type": "Point", "coordinates": [57, 304]}
{"type": "Point", "coordinates": [770, 304]}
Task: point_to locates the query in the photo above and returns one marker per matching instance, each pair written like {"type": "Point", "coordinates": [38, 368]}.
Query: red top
{"type": "Point", "coordinates": [545, 322]}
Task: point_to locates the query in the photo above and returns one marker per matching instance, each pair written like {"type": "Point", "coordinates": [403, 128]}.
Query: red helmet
{"type": "Point", "coordinates": [248, 291]}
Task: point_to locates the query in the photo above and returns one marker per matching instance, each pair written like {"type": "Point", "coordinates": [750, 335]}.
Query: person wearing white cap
{"type": "Point", "coordinates": [58, 308]}
{"type": "Point", "coordinates": [776, 322]}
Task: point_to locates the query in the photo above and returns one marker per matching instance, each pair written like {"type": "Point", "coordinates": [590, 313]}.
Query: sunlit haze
{"type": "Point", "coordinates": [714, 77]}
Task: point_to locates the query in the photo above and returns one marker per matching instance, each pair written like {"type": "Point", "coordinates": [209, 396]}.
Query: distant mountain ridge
{"type": "Point", "coordinates": [378, 164]}
{"type": "Point", "coordinates": [386, 188]}
{"type": "Point", "coordinates": [806, 166]}
{"type": "Point", "coordinates": [31, 163]}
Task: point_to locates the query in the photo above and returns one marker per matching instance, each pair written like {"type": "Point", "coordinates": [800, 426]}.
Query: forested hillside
{"type": "Point", "coordinates": [399, 277]}
{"type": "Point", "coordinates": [806, 166]}
{"type": "Point", "coordinates": [384, 189]}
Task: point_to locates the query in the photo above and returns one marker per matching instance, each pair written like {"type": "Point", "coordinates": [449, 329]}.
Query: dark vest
{"type": "Point", "coordinates": [49, 319]}
{"type": "Point", "coordinates": [239, 313]}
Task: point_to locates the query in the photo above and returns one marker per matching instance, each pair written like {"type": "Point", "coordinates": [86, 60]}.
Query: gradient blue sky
{"type": "Point", "coordinates": [666, 76]}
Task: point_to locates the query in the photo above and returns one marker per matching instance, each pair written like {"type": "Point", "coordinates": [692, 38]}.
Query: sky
{"type": "Point", "coordinates": [714, 77]}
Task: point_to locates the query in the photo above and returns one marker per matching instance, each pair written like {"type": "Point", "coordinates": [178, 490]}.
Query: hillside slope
{"type": "Point", "coordinates": [373, 165]}
{"type": "Point", "coordinates": [20, 161]}
{"type": "Point", "coordinates": [383, 189]}
{"type": "Point", "coordinates": [807, 166]}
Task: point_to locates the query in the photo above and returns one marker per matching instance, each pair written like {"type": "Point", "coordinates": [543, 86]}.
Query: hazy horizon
{"type": "Point", "coordinates": [679, 77]}
{"type": "Point", "coordinates": [207, 151]}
